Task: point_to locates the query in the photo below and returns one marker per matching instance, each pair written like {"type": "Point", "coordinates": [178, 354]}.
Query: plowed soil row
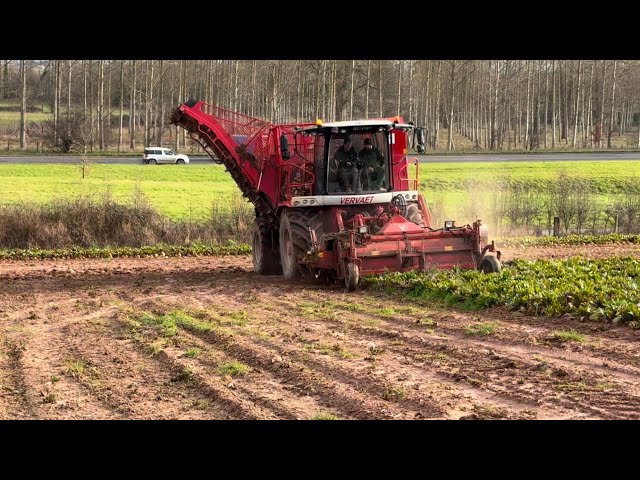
{"type": "Point", "coordinates": [85, 339]}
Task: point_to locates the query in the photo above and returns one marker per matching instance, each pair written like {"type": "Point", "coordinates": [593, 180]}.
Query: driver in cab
{"type": "Point", "coordinates": [342, 163]}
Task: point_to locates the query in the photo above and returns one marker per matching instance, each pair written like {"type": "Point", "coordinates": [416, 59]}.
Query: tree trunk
{"type": "Point", "coordinates": [553, 104]}
{"type": "Point", "coordinates": [183, 83]}
{"type": "Point", "coordinates": [299, 92]}
{"type": "Point", "coordinates": [150, 125]}
{"type": "Point", "coordinates": [400, 65]}
{"type": "Point", "coordinates": [321, 104]}
{"type": "Point", "coordinates": [565, 119]}
{"type": "Point", "coordinates": [84, 106]}
{"type": "Point", "coordinates": [577, 103]}
{"type": "Point", "coordinates": [23, 104]}
{"type": "Point", "coordinates": [92, 126]}
{"type": "Point", "coordinates": [107, 113]}
{"type": "Point", "coordinates": [69, 78]}
{"type": "Point", "coordinates": [121, 104]}
{"type": "Point", "coordinates": [503, 119]}
{"type": "Point", "coordinates": [427, 104]}
{"type": "Point", "coordinates": [132, 109]}
{"type": "Point", "coordinates": [526, 124]}
{"type": "Point", "coordinates": [451, 101]}
{"type": "Point", "coordinates": [101, 104]}
{"type": "Point", "coordinates": [494, 108]}
{"type": "Point", "coordinates": [588, 118]}
{"type": "Point", "coordinates": [546, 101]}
{"type": "Point", "coordinates": [638, 104]}
{"type": "Point", "coordinates": [146, 104]}
{"type": "Point", "coordinates": [366, 100]}
{"type": "Point", "coordinates": [235, 85]}
{"type": "Point", "coordinates": [353, 76]}
{"type": "Point", "coordinates": [411, 90]}
{"type": "Point", "coordinates": [613, 100]}
{"type": "Point", "coordinates": [274, 92]}
{"type": "Point", "coordinates": [380, 88]}
{"type": "Point", "coordinates": [600, 126]}
{"type": "Point", "coordinates": [4, 80]}
{"type": "Point", "coordinates": [56, 99]}
{"type": "Point", "coordinates": [537, 97]}
{"type": "Point", "coordinates": [160, 109]}
{"type": "Point", "coordinates": [436, 114]}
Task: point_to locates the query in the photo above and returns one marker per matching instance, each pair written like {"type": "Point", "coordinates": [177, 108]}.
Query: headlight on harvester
{"type": "Point", "coordinates": [362, 229]}
{"type": "Point", "coordinates": [448, 224]}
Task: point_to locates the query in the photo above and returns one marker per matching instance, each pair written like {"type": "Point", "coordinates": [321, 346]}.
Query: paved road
{"type": "Point", "coordinates": [71, 159]}
{"type": "Point", "coordinates": [507, 157]}
{"type": "Point", "coordinates": [529, 157]}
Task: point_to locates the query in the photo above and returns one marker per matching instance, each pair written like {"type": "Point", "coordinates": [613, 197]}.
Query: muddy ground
{"type": "Point", "coordinates": [81, 339]}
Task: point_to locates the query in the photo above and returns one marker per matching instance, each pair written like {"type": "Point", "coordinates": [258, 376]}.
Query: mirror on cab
{"type": "Point", "coordinates": [284, 147]}
{"type": "Point", "coordinates": [421, 139]}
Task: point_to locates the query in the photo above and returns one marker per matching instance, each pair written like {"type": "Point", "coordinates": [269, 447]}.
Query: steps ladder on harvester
{"type": "Point", "coordinates": [215, 133]}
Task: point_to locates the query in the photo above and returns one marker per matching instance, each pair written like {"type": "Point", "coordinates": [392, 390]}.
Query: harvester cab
{"type": "Point", "coordinates": [353, 157]}
{"type": "Point", "coordinates": [334, 200]}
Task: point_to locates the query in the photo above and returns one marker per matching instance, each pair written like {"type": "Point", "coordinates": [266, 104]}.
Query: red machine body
{"type": "Point", "coordinates": [336, 220]}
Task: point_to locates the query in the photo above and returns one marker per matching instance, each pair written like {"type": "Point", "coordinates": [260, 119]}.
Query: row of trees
{"type": "Point", "coordinates": [495, 104]}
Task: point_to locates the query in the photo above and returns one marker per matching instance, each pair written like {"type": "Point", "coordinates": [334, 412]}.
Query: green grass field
{"type": "Point", "coordinates": [12, 117]}
{"type": "Point", "coordinates": [192, 191]}
{"type": "Point", "coordinates": [176, 191]}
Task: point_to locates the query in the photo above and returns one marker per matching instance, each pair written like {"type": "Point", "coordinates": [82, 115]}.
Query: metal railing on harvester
{"type": "Point", "coordinates": [233, 139]}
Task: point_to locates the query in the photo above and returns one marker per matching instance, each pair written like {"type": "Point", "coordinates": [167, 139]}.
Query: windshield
{"type": "Point", "coordinates": [358, 163]}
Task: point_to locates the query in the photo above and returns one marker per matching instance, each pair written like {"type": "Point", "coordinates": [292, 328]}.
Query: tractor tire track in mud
{"type": "Point", "coordinates": [89, 339]}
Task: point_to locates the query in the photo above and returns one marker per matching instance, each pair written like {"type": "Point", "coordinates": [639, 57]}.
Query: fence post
{"type": "Point", "coordinates": [556, 226]}
{"type": "Point", "coordinates": [616, 225]}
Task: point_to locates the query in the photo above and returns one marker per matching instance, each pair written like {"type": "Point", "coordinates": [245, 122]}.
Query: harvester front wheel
{"type": "Point", "coordinates": [294, 242]}
{"type": "Point", "coordinates": [490, 264]}
{"type": "Point", "coordinates": [352, 279]}
{"type": "Point", "coordinates": [266, 257]}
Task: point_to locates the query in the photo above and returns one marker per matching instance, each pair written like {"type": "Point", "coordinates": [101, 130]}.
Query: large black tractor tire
{"type": "Point", "coordinates": [266, 256]}
{"type": "Point", "coordinates": [295, 239]}
{"type": "Point", "coordinates": [490, 264]}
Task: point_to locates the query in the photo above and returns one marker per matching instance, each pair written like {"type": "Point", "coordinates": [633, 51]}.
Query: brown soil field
{"type": "Point", "coordinates": [80, 339]}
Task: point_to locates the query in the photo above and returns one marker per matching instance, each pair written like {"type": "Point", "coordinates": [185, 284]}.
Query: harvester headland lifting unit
{"type": "Point", "coordinates": [337, 200]}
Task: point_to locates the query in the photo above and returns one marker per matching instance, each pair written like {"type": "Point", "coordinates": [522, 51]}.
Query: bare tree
{"type": "Point", "coordinates": [613, 101]}
{"type": "Point", "coordinates": [353, 74]}
{"type": "Point", "coordinates": [575, 109]}
{"type": "Point", "coordinates": [553, 105]}
{"type": "Point", "coordinates": [380, 88]}
{"type": "Point", "coordinates": [400, 65]}
{"type": "Point", "coordinates": [366, 101]}
{"type": "Point", "coordinates": [23, 104]}
{"type": "Point", "coordinates": [526, 128]}
{"type": "Point", "coordinates": [121, 104]}
{"type": "Point", "coordinates": [101, 104]}
{"type": "Point", "coordinates": [451, 104]}
{"type": "Point", "coordinates": [494, 108]}
{"type": "Point", "coordinates": [132, 109]}
{"type": "Point", "coordinates": [600, 125]}
{"type": "Point", "coordinates": [436, 113]}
